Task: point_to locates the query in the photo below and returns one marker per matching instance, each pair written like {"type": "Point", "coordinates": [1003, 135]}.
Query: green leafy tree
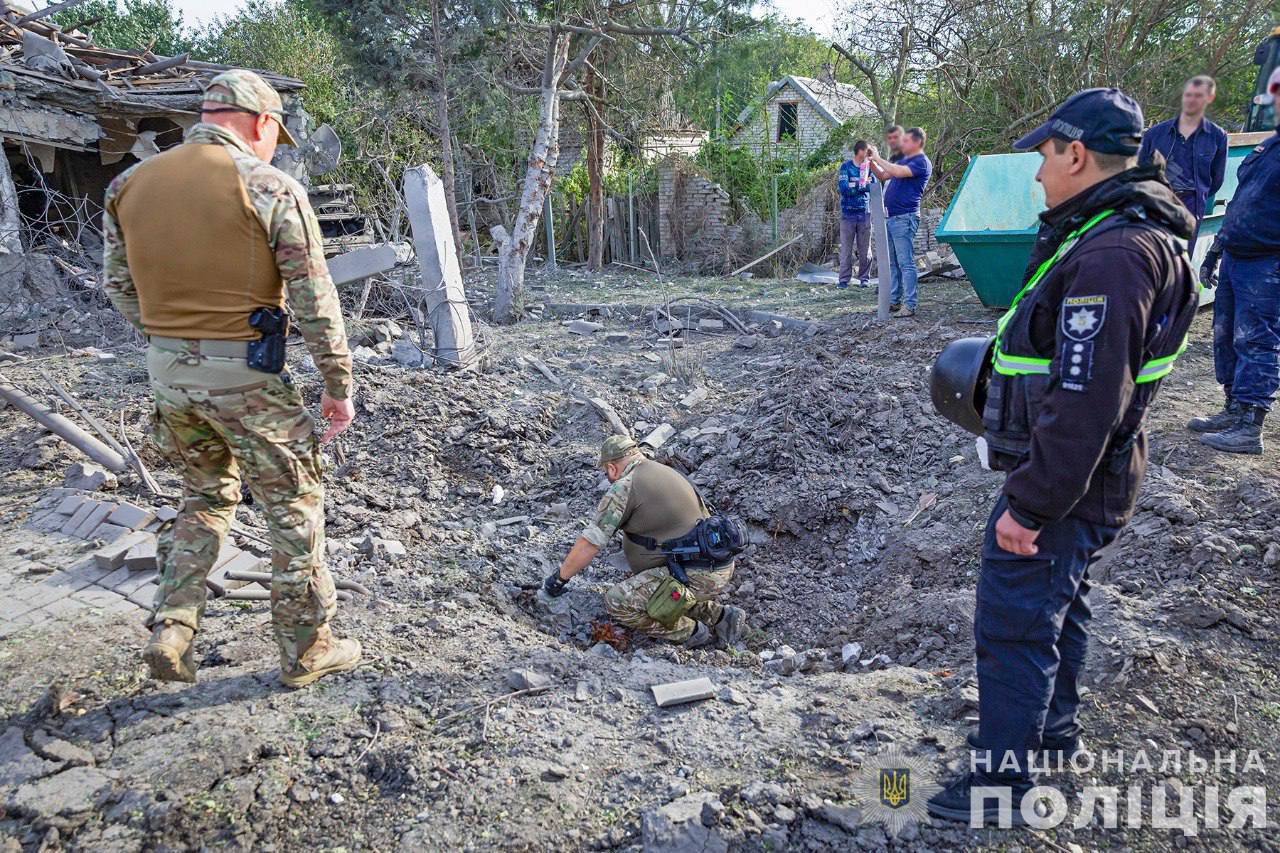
{"type": "Point", "coordinates": [135, 25]}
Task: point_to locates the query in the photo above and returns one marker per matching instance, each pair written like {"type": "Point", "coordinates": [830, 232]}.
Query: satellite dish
{"type": "Point", "coordinates": [322, 150]}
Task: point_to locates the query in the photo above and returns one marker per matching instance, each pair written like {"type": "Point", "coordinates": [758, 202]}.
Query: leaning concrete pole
{"type": "Point", "coordinates": [880, 231]}
{"type": "Point", "coordinates": [446, 300]}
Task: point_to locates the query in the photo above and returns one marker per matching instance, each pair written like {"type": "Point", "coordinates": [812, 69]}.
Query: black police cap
{"type": "Point", "coordinates": [1106, 120]}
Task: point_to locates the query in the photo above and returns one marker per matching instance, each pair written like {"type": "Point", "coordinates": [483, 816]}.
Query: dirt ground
{"type": "Point", "coordinates": [485, 716]}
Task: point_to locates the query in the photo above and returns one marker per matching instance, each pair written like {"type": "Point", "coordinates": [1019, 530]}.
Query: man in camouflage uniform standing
{"type": "Point", "coordinates": [652, 501]}
{"type": "Point", "coordinates": [196, 239]}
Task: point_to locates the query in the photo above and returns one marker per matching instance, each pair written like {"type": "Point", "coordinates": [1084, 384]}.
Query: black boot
{"type": "Point", "coordinates": [1215, 423]}
{"type": "Point", "coordinates": [1244, 437]}
{"type": "Point", "coordinates": [954, 802]}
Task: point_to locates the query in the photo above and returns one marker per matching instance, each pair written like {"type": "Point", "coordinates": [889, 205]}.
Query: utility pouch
{"type": "Point", "coordinates": [267, 353]}
{"type": "Point", "coordinates": [669, 602]}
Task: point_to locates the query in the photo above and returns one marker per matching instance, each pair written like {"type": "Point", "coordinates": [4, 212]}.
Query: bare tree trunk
{"type": "Point", "coordinates": [513, 248]}
{"type": "Point", "coordinates": [595, 168]}
{"type": "Point", "coordinates": [446, 134]}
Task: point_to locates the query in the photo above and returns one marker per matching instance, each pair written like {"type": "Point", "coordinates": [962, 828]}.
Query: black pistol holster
{"type": "Point", "coordinates": [267, 353]}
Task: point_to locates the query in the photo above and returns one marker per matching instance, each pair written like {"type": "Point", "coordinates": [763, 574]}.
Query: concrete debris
{"type": "Point", "coordinates": [746, 341]}
{"type": "Point", "coordinates": [709, 324]}
{"type": "Point", "coordinates": [678, 827]}
{"type": "Point", "coordinates": [376, 546]}
{"type": "Point", "coordinates": [527, 679]}
{"type": "Point", "coordinates": [89, 477]}
{"type": "Point", "coordinates": [112, 556]}
{"type": "Point", "coordinates": [131, 516]}
{"type": "Point", "coordinates": [142, 556]}
{"type": "Point", "coordinates": [362, 263]}
{"type": "Point", "coordinates": [694, 397]}
{"type": "Point", "coordinates": [850, 652]}
{"type": "Point", "coordinates": [407, 354]}
{"type": "Point", "coordinates": [682, 692]}
{"type": "Point", "coordinates": [444, 294]}
{"type": "Point", "coordinates": [617, 338]}
{"type": "Point", "coordinates": [584, 327]}
{"type": "Point", "coordinates": [659, 436]}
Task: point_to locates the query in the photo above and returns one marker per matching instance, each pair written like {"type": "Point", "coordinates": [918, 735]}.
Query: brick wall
{"type": "Point", "coordinates": [698, 223]}
{"type": "Point", "coordinates": [694, 213]}
{"type": "Point", "coordinates": [812, 129]}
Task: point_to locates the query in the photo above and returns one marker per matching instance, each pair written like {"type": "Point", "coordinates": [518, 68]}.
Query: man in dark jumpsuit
{"type": "Point", "coordinates": [1246, 308]}
{"type": "Point", "coordinates": [1107, 300]}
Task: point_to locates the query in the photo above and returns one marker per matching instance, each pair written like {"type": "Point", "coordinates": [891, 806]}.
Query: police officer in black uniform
{"type": "Point", "coordinates": [1106, 302]}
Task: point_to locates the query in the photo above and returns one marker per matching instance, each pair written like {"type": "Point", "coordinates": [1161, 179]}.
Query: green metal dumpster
{"type": "Point", "coordinates": [993, 217]}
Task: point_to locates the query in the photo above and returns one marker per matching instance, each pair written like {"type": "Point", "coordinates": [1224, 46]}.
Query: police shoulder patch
{"type": "Point", "coordinates": [1083, 316]}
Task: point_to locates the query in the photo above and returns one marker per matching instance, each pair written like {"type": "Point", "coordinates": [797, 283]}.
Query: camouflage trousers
{"type": "Point", "coordinates": [626, 602]}
{"type": "Point", "coordinates": [217, 420]}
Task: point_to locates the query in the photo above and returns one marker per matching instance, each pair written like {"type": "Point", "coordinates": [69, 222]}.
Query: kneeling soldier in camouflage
{"type": "Point", "coordinates": [201, 244]}
{"type": "Point", "coordinates": [653, 504]}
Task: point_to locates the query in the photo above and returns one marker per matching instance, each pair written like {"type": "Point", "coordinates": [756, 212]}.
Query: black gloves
{"type": "Point", "coordinates": [1209, 269]}
{"type": "Point", "coordinates": [554, 584]}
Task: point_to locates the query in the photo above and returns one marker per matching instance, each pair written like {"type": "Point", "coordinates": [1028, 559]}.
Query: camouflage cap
{"type": "Point", "coordinates": [616, 447]}
{"type": "Point", "coordinates": [248, 91]}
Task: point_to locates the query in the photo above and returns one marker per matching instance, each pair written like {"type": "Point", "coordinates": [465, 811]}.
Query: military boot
{"type": "Point", "coordinates": [732, 625]}
{"type": "Point", "coordinates": [700, 637]}
{"type": "Point", "coordinates": [328, 654]}
{"type": "Point", "coordinates": [1215, 423]}
{"type": "Point", "coordinates": [1244, 437]}
{"type": "Point", "coordinates": [169, 654]}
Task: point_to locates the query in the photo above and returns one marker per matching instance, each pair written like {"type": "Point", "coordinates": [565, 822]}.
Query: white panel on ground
{"type": "Point", "coordinates": [441, 276]}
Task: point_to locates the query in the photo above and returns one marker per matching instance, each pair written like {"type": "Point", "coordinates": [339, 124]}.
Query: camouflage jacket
{"type": "Point", "coordinates": [608, 516]}
{"type": "Point", "coordinates": [293, 233]}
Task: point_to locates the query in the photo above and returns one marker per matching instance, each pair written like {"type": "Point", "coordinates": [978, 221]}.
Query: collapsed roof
{"type": "Point", "coordinates": [60, 91]}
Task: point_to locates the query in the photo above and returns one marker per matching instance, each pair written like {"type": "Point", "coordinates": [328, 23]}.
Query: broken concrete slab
{"type": "Point", "coordinates": [145, 595]}
{"type": "Point", "coordinates": [362, 263]}
{"type": "Point", "coordinates": [56, 749]}
{"type": "Point", "coordinates": [682, 692]}
{"type": "Point", "coordinates": [79, 516]}
{"type": "Point", "coordinates": [407, 354]}
{"type": "Point", "coordinates": [131, 516]}
{"type": "Point", "coordinates": [441, 275]}
{"type": "Point", "coordinates": [89, 477]}
{"type": "Point", "coordinates": [617, 338]}
{"type": "Point", "coordinates": [694, 397]}
{"type": "Point", "coordinates": [165, 513]}
{"type": "Point", "coordinates": [584, 327]}
{"type": "Point", "coordinates": [746, 341]}
{"type": "Point", "coordinates": [659, 436]}
{"type": "Point", "coordinates": [527, 679]}
{"type": "Point", "coordinates": [710, 324]}
{"type": "Point", "coordinates": [142, 556]}
{"type": "Point", "coordinates": [70, 504]}
{"type": "Point", "coordinates": [91, 521]}
{"type": "Point", "coordinates": [18, 763]}
{"type": "Point", "coordinates": [108, 532]}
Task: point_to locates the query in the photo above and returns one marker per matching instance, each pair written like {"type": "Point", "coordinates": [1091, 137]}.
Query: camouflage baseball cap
{"type": "Point", "coordinates": [616, 447]}
{"type": "Point", "coordinates": [249, 92]}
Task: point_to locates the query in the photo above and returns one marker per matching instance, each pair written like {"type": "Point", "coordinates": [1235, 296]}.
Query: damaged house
{"type": "Point", "coordinates": [74, 115]}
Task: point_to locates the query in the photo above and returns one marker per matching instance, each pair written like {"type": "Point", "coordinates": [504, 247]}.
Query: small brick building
{"type": "Point", "coordinates": [797, 115]}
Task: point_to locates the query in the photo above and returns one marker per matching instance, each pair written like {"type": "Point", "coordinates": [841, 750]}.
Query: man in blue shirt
{"type": "Point", "coordinates": [906, 180]}
{"type": "Point", "coordinates": [1194, 148]}
{"type": "Point", "coordinates": [1246, 308]}
{"type": "Point", "coordinates": [855, 225]}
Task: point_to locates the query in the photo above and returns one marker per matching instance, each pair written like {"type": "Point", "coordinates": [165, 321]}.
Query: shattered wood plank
{"type": "Point", "coordinates": [48, 10]}
{"type": "Point", "coordinates": [607, 412]}
{"type": "Point", "coordinates": [541, 366]}
{"type": "Point", "coordinates": [765, 256]}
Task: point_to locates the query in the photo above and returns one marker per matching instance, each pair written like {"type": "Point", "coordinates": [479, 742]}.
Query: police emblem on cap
{"type": "Point", "coordinates": [1083, 316]}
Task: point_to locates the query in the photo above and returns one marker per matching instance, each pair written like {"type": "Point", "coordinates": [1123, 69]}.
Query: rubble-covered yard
{"type": "Point", "coordinates": [487, 717]}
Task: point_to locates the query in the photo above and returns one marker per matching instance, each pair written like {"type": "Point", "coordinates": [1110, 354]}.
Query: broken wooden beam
{"type": "Point", "coordinates": [765, 256]}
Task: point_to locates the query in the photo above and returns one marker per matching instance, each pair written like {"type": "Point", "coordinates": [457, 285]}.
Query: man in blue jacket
{"type": "Point", "coordinates": [1194, 148]}
{"type": "Point", "coordinates": [1246, 308]}
{"type": "Point", "coordinates": [855, 223]}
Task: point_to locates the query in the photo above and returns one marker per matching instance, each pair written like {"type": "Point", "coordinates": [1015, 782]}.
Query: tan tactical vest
{"type": "Point", "coordinates": [197, 252]}
{"type": "Point", "coordinates": [662, 505]}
